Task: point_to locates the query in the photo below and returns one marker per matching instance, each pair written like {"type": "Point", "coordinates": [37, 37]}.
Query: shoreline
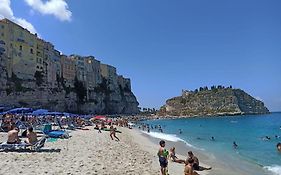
{"type": "Point", "coordinates": [90, 152]}
{"type": "Point", "coordinates": [206, 159]}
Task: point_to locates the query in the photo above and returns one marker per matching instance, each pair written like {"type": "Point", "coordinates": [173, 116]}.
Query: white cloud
{"type": "Point", "coordinates": [7, 12]}
{"type": "Point", "coordinates": [58, 8]}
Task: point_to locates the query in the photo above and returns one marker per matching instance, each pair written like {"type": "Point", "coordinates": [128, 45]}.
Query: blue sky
{"type": "Point", "coordinates": [166, 46]}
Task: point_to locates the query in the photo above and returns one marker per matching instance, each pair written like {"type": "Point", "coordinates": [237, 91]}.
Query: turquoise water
{"type": "Point", "coordinates": [246, 131]}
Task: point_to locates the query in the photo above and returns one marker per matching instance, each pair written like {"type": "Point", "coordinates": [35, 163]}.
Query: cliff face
{"type": "Point", "coordinates": [104, 99]}
{"type": "Point", "coordinates": [223, 101]}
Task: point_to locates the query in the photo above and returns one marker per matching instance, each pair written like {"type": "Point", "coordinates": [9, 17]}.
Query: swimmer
{"type": "Point", "coordinates": [235, 145]}
{"type": "Point", "coordinates": [213, 138]}
{"type": "Point", "coordinates": [278, 146]}
{"type": "Point", "coordinates": [180, 131]}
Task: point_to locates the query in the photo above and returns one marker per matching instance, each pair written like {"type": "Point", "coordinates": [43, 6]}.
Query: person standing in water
{"type": "Point", "coordinates": [163, 158]}
{"type": "Point", "coordinates": [235, 146]}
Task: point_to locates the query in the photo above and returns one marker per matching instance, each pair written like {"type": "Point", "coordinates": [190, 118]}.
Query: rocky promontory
{"type": "Point", "coordinates": [213, 102]}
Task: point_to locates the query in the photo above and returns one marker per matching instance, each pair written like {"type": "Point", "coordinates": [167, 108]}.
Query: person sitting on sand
{"type": "Point", "coordinates": [13, 137]}
{"type": "Point", "coordinates": [278, 146]}
{"type": "Point", "coordinates": [188, 168]}
{"type": "Point", "coordinates": [113, 133]}
{"type": "Point", "coordinates": [173, 156]}
{"type": "Point", "coordinates": [196, 162]}
{"type": "Point", "coordinates": [163, 155]}
{"type": "Point", "coordinates": [31, 136]}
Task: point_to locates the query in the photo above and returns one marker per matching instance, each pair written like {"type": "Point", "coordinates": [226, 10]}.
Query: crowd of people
{"type": "Point", "coordinates": [191, 163]}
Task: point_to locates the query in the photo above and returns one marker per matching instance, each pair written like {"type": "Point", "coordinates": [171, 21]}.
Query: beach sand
{"type": "Point", "coordinates": [90, 152]}
{"type": "Point", "coordinates": [86, 152]}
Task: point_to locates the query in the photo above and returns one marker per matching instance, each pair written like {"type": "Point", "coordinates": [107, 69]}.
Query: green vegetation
{"type": "Point", "coordinates": [218, 100]}
{"type": "Point", "coordinates": [38, 78]}
{"type": "Point", "coordinates": [103, 87]}
{"type": "Point", "coordinates": [80, 90]}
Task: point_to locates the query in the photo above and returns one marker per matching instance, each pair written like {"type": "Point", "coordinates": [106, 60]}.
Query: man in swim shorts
{"type": "Point", "coordinates": [163, 160]}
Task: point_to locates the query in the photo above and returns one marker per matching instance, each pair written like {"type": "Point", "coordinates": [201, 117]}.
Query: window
{"type": "Point", "coordinates": [20, 47]}
{"type": "Point", "coordinates": [2, 34]}
{"type": "Point", "coordinates": [31, 51]}
{"type": "Point", "coordinates": [2, 26]}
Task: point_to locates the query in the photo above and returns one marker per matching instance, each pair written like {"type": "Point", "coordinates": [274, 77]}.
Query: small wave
{"type": "Point", "coordinates": [233, 121]}
{"type": "Point", "coordinates": [275, 169]}
{"type": "Point", "coordinates": [168, 137]}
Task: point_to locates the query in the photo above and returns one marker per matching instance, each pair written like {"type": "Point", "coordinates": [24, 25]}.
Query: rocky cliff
{"type": "Point", "coordinates": [217, 101]}
{"type": "Point", "coordinates": [35, 93]}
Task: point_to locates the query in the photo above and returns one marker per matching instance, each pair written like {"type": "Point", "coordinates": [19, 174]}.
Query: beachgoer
{"type": "Point", "coordinates": [266, 138]}
{"type": "Point", "coordinates": [113, 133]}
{"type": "Point", "coordinates": [188, 168]}
{"type": "Point", "coordinates": [31, 136]}
{"type": "Point", "coordinates": [13, 137]}
{"type": "Point", "coordinates": [278, 146]}
{"type": "Point", "coordinates": [180, 131]}
{"type": "Point", "coordinates": [163, 154]}
{"type": "Point", "coordinates": [196, 162]}
{"type": "Point", "coordinates": [173, 156]}
{"type": "Point", "coordinates": [235, 145]}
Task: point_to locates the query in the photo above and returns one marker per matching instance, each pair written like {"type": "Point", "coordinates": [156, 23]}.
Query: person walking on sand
{"type": "Point", "coordinates": [113, 133]}
{"type": "Point", "coordinates": [163, 158]}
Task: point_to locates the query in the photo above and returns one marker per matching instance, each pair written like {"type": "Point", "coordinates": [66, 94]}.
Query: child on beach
{"type": "Point", "coordinates": [173, 156]}
{"type": "Point", "coordinates": [163, 158]}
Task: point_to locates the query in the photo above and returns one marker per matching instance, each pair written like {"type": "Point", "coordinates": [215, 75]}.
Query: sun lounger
{"type": "Point", "coordinates": [47, 130]}
{"type": "Point", "coordinates": [23, 146]}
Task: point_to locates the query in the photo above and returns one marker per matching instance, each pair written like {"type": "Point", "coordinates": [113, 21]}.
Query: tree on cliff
{"type": "Point", "coordinates": [80, 90]}
{"type": "Point", "coordinates": [38, 78]}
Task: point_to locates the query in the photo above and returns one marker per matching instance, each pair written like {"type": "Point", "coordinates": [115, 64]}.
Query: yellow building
{"type": "Point", "coordinates": [20, 47]}
{"type": "Point", "coordinates": [39, 54]}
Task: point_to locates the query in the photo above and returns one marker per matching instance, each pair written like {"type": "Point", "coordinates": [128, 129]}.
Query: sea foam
{"type": "Point", "coordinates": [275, 169]}
{"type": "Point", "coordinates": [168, 137]}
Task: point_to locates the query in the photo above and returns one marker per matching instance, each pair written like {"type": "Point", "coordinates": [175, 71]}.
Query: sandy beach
{"type": "Point", "coordinates": [89, 152]}
{"type": "Point", "coordinates": [86, 152]}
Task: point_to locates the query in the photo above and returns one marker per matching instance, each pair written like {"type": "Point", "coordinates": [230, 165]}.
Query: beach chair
{"type": "Point", "coordinates": [23, 146]}
{"type": "Point", "coordinates": [47, 130]}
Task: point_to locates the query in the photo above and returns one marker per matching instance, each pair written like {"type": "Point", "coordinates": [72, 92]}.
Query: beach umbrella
{"type": "Point", "coordinates": [40, 112]}
{"type": "Point", "coordinates": [99, 117]}
{"type": "Point", "coordinates": [19, 111]}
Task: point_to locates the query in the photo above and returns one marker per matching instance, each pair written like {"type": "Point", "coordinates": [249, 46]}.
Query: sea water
{"type": "Point", "coordinates": [248, 131]}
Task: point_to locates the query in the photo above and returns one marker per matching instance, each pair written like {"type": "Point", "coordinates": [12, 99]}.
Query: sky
{"type": "Point", "coordinates": [165, 46]}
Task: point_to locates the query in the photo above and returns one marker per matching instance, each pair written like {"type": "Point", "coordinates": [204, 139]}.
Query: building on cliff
{"type": "Point", "coordinates": [36, 70]}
